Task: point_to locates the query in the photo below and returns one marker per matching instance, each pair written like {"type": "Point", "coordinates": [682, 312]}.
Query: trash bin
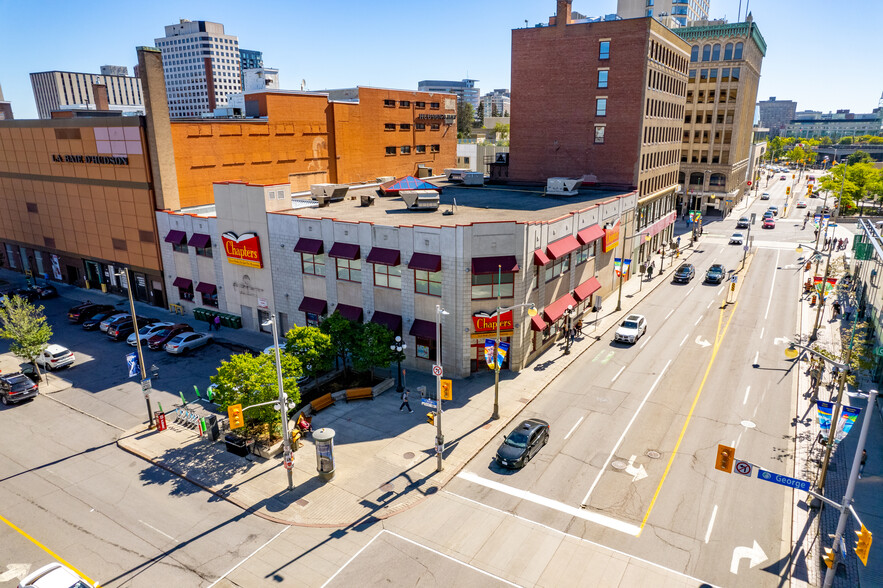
{"type": "Point", "coordinates": [225, 320]}
{"type": "Point", "coordinates": [213, 431]}
{"type": "Point", "coordinates": [199, 314]}
{"type": "Point", "coordinates": [237, 322]}
{"type": "Point", "coordinates": [236, 444]}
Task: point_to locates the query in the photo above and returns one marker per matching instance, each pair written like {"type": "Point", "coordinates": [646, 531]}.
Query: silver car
{"type": "Point", "coordinates": [146, 332]}
{"type": "Point", "coordinates": [106, 322]}
{"type": "Point", "coordinates": [187, 342]}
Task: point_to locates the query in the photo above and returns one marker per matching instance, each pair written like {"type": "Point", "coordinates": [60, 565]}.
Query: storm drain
{"type": "Point", "coordinates": [619, 465]}
{"type": "Point", "coordinates": [653, 454]}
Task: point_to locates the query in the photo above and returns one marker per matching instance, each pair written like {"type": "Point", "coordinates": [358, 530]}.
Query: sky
{"type": "Point", "coordinates": [818, 54]}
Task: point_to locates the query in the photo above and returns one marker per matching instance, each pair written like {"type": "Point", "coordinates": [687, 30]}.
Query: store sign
{"type": "Point", "coordinates": [244, 249]}
{"type": "Point", "coordinates": [100, 159]}
{"type": "Point", "coordinates": [484, 323]}
{"type": "Point", "coordinates": [448, 118]}
{"type": "Point", "coordinates": [611, 237]}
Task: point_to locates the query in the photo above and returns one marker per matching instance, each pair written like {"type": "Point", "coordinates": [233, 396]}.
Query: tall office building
{"type": "Point", "coordinates": [497, 103]}
{"type": "Point", "coordinates": [67, 90]}
{"type": "Point", "coordinates": [776, 114]}
{"type": "Point", "coordinates": [681, 11]}
{"type": "Point", "coordinates": [249, 59]}
{"type": "Point", "coordinates": [201, 65]}
{"type": "Point", "coordinates": [465, 90]}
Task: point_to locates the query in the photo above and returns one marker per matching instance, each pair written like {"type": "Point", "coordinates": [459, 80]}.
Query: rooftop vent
{"type": "Point", "coordinates": [420, 199]}
{"type": "Point", "coordinates": [325, 193]}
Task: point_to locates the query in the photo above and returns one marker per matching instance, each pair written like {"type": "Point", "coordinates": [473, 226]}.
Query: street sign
{"type": "Point", "coordinates": [428, 402]}
{"type": "Point", "coordinates": [145, 385]}
{"type": "Point", "coordinates": [745, 247]}
{"type": "Point", "coordinates": [724, 461]}
{"type": "Point", "coordinates": [742, 467]}
{"type": "Point", "coordinates": [437, 370]}
{"type": "Point", "coordinates": [878, 351]}
{"type": "Point", "coordinates": [783, 480]}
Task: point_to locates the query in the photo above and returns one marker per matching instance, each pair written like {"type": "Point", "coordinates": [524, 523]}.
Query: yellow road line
{"type": "Point", "coordinates": [47, 550]}
{"type": "Point", "coordinates": [718, 339]}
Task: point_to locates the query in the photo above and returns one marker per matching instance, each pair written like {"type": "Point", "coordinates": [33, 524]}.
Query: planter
{"type": "Point", "coordinates": [268, 452]}
{"type": "Point", "coordinates": [383, 387]}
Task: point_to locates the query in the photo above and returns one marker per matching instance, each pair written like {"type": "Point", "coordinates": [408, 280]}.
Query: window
{"type": "Point", "coordinates": [405, 126]}
{"type": "Point", "coordinates": [599, 133]}
{"type": "Point", "coordinates": [602, 78]}
{"type": "Point", "coordinates": [313, 265]}
{"type": "Point", "coordinates": [728, 51]}
{"type": "Point", "coordinates": [434, 148]}
{"type": "Point", "coordinates": [405, 103]}
{"type": "Point", "coordinates": [434, 127]}
{"type": "Point", "coordinates": [405, 150]}
{"type": "Point", "coordinates": [725, 74]}
{"type": "Point", "coordinates": [180, 247]}
{"type": "Point", "coordinates": [210, 299]}
{"type": "Point", "coordinates": [737, 53]}
{"type": "Point", "coordinates": [349, 270]}
{"type": "Point", "coordinates": [713, 75]}
{"type": "Point", "coordinates": [433, 105]}
{"type": "Point", "coordinates": [390, 150]}
{"type": "Point", "coordinates": [388, 276]}
{"type": "Point", "coordinates": [429, 283]}
{"type": "Point", "coordinates": [736, 72]}
{"type": "Point", "coordinates": [312, 319]}
{"type": "Point", "coordinates": [694, 53]}
{"type": "Point", "coordinates": [186, 293]}
{"type": "Point", "coordinates": [604, 50]}
{"type": "Point", "coordinates": [716, 52]}
{"type": "Point", "coordinates": [425, 348]}
{"type": "Point", "coordinates": [601, 107]}
{"type": "Point", "coordinates": [205, 251]}
{"type": "Point", "coordinates": [389, 103]}
{"type": "Point", "coordinates": [692, 76]}
{"type": "Point", "coordinates": [420, 148]}
{"type": "Point", "coordinates": [420, 104]}
{"type": "Point", "coordinates": [703, 75]}
{"type": "Point", "coordinates": [389, 126]}
{"type": "Point", "coordinates": [706, 52]}
{"type": "Point", "coordinates": [557, 267]}
{"type": "Point", "coordinates": [488, 285]}
{"type": "Point", "coordinates": [420, 126]}
{"type": "Point", "coordinates": [585, 252]}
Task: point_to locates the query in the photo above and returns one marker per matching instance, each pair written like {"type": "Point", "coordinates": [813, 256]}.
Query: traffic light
{"type": "Point", "coordinates": [430, 418]}
{"type": "Point", "coordinates": [234, 411]}
{"type": "Point", "coordinates": [787, 190]}
{"type": "Point", "coordinates": [725, 456]}
{"type": "Point", "coordinates": [829, 558]}
{"type": "Point", "coordinates": [446, 390]}
{"type": "Point", "coordinates": [863, 546]}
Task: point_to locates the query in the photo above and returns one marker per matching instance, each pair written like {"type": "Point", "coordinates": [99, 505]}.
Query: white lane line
{"type": "Point", "coordinates": [617, 373]}
{"type": "Point", "coordinates": [230, 571]}
{"type": "Point", "coordinates": [756, 356]}
{"type": "Point", "coordinates": [622, 437]}
{"type": "Point", "coordinates": [772, 286]}
{"type": "Point", "coordinates": [157, 530]}
{"type": "Point", "coordinates": [710, 524]}
{"type": "Point", "coordinates": [690, 291]}
{"type": "Point", "coordinates": [646, 339]}
{"type": "Point", "coordinates": [719, 291]}
{"type": "Point", "coordinates": [697, 320]}
{"type": "Point", "coordinates": [573, 428]}
{"type": "Point", "coordinates": [587, 515]}
{"type": "Point", "coordinates": [669, 314]}
{"type": "Point", "coordinates": [747, 390]}
{"type": "Point", "coordinates": [685, 340]}
{"type": "Point", "coordinates": [761, 332]}
{"type": "Point", "coordinates": [707, 306]}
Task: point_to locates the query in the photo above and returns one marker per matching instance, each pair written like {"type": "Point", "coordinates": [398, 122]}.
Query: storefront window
{"type": "Point", "coordinates": [490, 285]}
{"type": "Point", "coordinates": [425, 348]}
{"type": "Point", "coordinates": [427, 282]}
{"type": "Point", "coordinates": [388, 276]}
{"type": "Point", "coordinates": [210, 299]}
{"type": "Point", "coordinates": [186, 293]}
{"type": "Point", "coordinates": [349, 270]}
{"type": "Point", "coordinates": [313, 265]}
{"type": "Point", "coordinates": [180, 247]}
{"type": "Point", "coordinates": [557, 267]}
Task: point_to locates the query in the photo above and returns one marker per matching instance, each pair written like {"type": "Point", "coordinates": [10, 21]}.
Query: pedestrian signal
{"type": "Point", "coordinates": [446, 390]}
{"type": "Point", "coordinates": [863, 545]}
{"type": "Point", "coordinates": [430, 418]}
{"type": "Point", "coordinates": [234, 411]}
{"type": "Point", "coordinates": [725, 456]}
{"type": "Point", "coordinates": [829, 558]}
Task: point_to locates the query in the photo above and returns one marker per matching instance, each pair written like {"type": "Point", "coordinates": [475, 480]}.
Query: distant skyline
{"type": "Point", "coordinates": [394, 43]}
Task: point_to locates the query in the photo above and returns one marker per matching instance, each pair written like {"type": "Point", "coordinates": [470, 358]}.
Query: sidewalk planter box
{"type": "Point", "coordinates": [236, 444]}
{"type": "Point", "coordinates": [268, 452]}
{"type": "Point", "coordinates": [383, 387]}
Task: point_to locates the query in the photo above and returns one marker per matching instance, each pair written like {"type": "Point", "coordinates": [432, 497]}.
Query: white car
{"type": "Point", "coordinates": [147, 331]}
{"type": "Point", "coordinates": [54, 575]}
{"type": "Point", "coordinates": [631, 329]}
{"type": "Point", "coordinates": [737, 239]}
{"type": "Point", "coordinates": [187, 342]}
{"type": "Point", "coordinates": [54, 357]}
{"type": "Point", "coordinates": [765, 196]}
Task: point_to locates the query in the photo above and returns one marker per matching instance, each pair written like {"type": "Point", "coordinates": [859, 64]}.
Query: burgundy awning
{"type": "Point", "coordinates": [554, 311]}
{"type": "Point", "coordinates": [199, 240]}
{"type": "Point", "coordinates": [311, 246]}
{"type": "Point", "coordinates": [351, 313]}
{"type": "Point", "coordinates": [393, 322]}
{"type": "Point", "coordinates": [590, 234]}
{"type": "Point", "coordinates": [488, 265]}
{"type": "Point", "coordinates": [587, 288]}
{"type": "Point", "coordinates": [562, 247]}
{"type": "Point", "coordinates": [182, 283]}
{"type": "Point", "coordinates": [176, 237]}
{"type": "Point", "coordinates": [423, 329]}
{"type": "Point", "coordinates": [313, 305]}
{"type": "Point", "coordinates": [537, 323]}
{"type": "Point", "coordinates": [426, 262]}
{"type": "Point", "coordinates": [384, 256]}
{"type": "Point", "coordinates": [206, 288]}
{"type": "Point", "coordinates": [540, 257]}
{"type": "Point", "coordinates": [344, 251]}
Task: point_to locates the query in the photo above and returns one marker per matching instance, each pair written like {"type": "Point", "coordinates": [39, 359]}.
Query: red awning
{"type": "Point", "coordinates": [206, 288]}
{"type": "Point", "coordinates": [426, 262]}
{"type": "Point", "coordinates": [562, 247]}
{"type": "Point", "coordinates": [488, 265]}
{"type": "Point", "coordinates": [183, 283]}
{"type": "Point", "coordinates": [393, 322]}
{"type": "Point", "coordinates": [590, 234]}
{"type": "Point", "coordinates": [313, 305]}
{"type": "Point", "coordinates": [384, 256]}
{"type": "Point", "coordinates": [587, 288]}
{"type": "Point", "coordinates": [537, 323]}
{"type": "Point", "coordinates": [554, 311]}
{"type": "Point", "coordinates": [199, 240]}
{"type": "Point", "coordinates": [310, 246]}
{"type": "Point", "coordinates": [351, 313]}
{"type": "Point", "coordinates": [423, 329]}
{"type": "Point", "coordinates": [176, 237]}
{"type": "Point", "coordinates": [344, 251]}
{"type": "Point", "coordinates": [540, 257]}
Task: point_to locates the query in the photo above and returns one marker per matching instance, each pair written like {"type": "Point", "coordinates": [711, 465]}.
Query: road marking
{"type": "Point", "coordinates": [697, 320]}
{"type": "Point", "coordinates": [15, 571]}
{"type": "Point", "coordinates": [707, 306]}
{"type": "Point", "coordinates": [587, 515]}
{"type": "Point", "coordinates": [622, 437]}
{"type": "Point", "coordinates": [157, 530]}
{"type": "Point", "coordinates": [756, 356]}
{"type": "Point", "coordinates": [230, 571]}
{"type": "Point", "coordinates": [710, 524]}
{"type": "Point", "coordinates": [617, 373]}
{"type": "Point", "coordinates": [572, 429]}
{"type": "Point", "coordinates": [690, 291]}
{"type": "Point", "coordinates": [747, 390]}
{"type": "Point", "coordinates": [772, 286]}
{"type": "Point", "coordinates": [761, 332]}
{"type": "Point", "coordinates": [669, 314]}
{"type": "Point", "coordinates": [637, 473]}
{"type": "Point", "coordinates": [702, 342]}
{"type": "Point", "coordinates": [685, 339]}
{"type": "Point", "coordinates": [738, 440]}
{"type": "Point", "coordinates": [719, 291]}
{"type": "Point", "coordinates": [647, 338]}
{"type": "Point", "coordinates": [755, 556]}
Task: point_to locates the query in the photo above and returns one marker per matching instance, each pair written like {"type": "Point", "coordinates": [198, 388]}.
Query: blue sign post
{"type": "Point", "coordinates": [783, 480]}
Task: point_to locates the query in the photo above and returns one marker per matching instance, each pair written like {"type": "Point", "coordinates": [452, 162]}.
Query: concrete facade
{"type": "Point", "coordinates": [67, 90]}
{"type": "Point", "coordinates": [776, 114]}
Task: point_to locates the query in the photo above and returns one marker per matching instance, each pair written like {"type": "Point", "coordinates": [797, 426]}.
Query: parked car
{"type": "Point", "coordinates": [743, 223]}
{"type": "Point", "coordinates": [769, 223]}
{"type": "Point", "coordinates": [113, 321]}
{"type": "Point", "coordinates": [121, 330]}
{"type": "Point", "coordinates": [716, 274]}
{"type": "Point", "coordinates": [631, 329]}
{"type": "Point", "coordinates": [159, 340]}
{"type": "Point", "coordinates": [685, 273]}
{"type": "Point", "coordinates": [522, 443]}
{"type": "Point", "coordinates": [186, 342]}
{"type": "Point", "coordinates": [767, 214]}
{"type": "Point", "coordinates": [16, 387]}
{"type": "Point", "coordinates": [30, 370]}
{"type": "Point", "coordinates": [46, 291]}
{"type": "Point", "coordinates": [783, 178]}
{"type": "Point", "coordinates": [85, 311]}
{"type": "Point", "coordinates": [28, 294]}
{"type": "Point", "coordinates": [92, 324]}
{"type": "Point", "coordinates": [54, 357]}
{"type": "Point", "coordinates": [737, 239]}
{"type": "Point", "coordinates": [801, 204]}
{"type": "Point", "coordinates": [765, 196]}
{"type": "Point", "coordinates": [54, 575]}
{"type": "Point", "coordinates": [146, 332]}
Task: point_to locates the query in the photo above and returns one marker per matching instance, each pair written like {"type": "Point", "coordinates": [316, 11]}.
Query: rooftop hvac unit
{"type": "Point", "coordinates": [456, 174]}
{"type": "Point", "coordinates": [563, 186]}
{"type": "Point", "coordinates": [329, 192]}
{"type": "Point", "coordinates": [420, 199]}
{"type": "Point", "coordinates": [473, 179]}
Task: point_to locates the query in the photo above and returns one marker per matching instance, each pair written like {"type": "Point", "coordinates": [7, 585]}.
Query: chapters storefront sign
{"type": "Point", "coordinates": [484, 324]}
{"type": "Point", "coordinates": [244, 249]}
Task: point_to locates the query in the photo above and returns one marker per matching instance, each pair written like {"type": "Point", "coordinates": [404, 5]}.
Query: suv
{"type": "Point", "coordinates": [743, 223]}
{"type": "Point", "coordinates": [715, 274]}
{"type": "Point", "coordinates": [54, 357]}
{"type": "Point", "coordinates": [121, 329]}
{"type": "Point", "coordinates": [631, 329]}
{"type": "Point", "coordinates": [16, 387]}
{"type": "Point", "coordinates": [685, 273]}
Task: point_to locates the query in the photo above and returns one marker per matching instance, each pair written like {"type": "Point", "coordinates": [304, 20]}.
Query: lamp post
{"type": "Point", "coordinates": [568, 325]}
{"type": "Point", "coordinates": [282, 404]}
{"type": "Point", "coordinates": [125, 273]}
{"type": "Point", "coordinates": [622, 269]}
{"type": "Point", "coordinates": [532, 311]}
{"type": "Point", "coordinates": [439, 436]}
{"type": "Point", "coordinates": [399, 347]}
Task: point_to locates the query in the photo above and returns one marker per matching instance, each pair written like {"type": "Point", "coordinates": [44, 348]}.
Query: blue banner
{"type": "Point", "coordinates": [845, 422]}
{"type": "Point", "coordinates": [489, 352]}
{"type": "Point", "coordinates": [132, 363]}
{"type": "Point", "coordinates": [502, 350]}
{"type": "Point", "coordinates": [825, 410]}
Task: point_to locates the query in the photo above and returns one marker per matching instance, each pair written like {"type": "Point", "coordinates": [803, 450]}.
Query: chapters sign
{"type": "Point", "coordinates": [244, 249]}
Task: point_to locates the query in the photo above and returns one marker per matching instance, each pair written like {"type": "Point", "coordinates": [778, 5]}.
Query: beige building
{"type": "Point", "coordinates": [67, 90]}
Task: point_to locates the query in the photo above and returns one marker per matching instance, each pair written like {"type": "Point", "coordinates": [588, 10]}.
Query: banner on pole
{"type": "Point", "coordinates": [489, 352]}
{"type": "Point", "coordinates": [845, 422]}
{"type": "Point", "coordinates": [132, 364]}
{"type": "Point", "coordinates": [825, 409]}
{"type": "Point", "coordinates": [502, 350]}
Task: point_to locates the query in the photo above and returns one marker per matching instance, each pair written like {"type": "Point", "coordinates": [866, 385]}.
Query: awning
{"type": "Point", "coordinates": [384, 256]}
{"type": "Point", "coordinates": [182, 283]}
{"type": "Point", "coordinates": [537, 323]}
{"type": "Point", "coordinates": [587, 288]}
{"type": "Point", "coordinates": [423, 329]}
{"type": "Point", "coordinates": [488, 265]}
{"type": "Point", "coordinates": [199, 240]}
{"type": "Point", "coordinates": [393, 322]}
{"type": "Point", "coordinates": [344, 251]}
{"type": "Point", "coordinates": [313, 305]}
{"type": "Point", "coordinates": [311, 246]}
{"type": "Point", "coordinates": [206, 288]}
{"type": "Point", "coordinates": [351, 313]}
{"type": "Point", "coordinates": [540, 257]}
{"type": "Point", "coordinates": [590, 234]}
{"type": "Point", "coordinates": [176, 237]}
{"type": "Point", "coordinates": [554, 311]}
{"type": "Point", "coordinates": [562, 247]}
{"type": "Point", "coordinates": [426, 262]}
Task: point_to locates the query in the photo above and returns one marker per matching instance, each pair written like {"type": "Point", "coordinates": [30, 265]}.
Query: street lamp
{"type": "Point", "coordinates": [282, 405]}
{"type": "Point", "coordinates": [399, 347]}
{"type": "Point", "coordinates": [437, 369]}
{"type": "Point", "coordinates": [568, 314]}
{"type": "Point", "coordinates": [125, 273]}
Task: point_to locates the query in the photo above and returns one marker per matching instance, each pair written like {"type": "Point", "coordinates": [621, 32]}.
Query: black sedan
{"type": "Point", "coordinates": [46, 291]}
{"type": "Point", "coordinates": [91, 324]}
{"type": "Point", "coordinates": [716, 274]}
{"type": "Point", "coordinates": [685, 273]}
{"type": "Point", "coordinates": [523, 443]}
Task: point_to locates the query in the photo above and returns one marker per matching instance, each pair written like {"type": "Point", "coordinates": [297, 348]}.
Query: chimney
{"type": "Point", "coordinates": [562, 15]}
{"type": "Point", "coordinates": [99, 92]}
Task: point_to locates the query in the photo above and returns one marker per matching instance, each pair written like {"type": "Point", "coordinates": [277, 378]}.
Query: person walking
{"type": "Point", "coordinates": [650, 271]}
{"type": "Point", "coordinates": [861, 466]}
{"type": "Point", "coordinates": [217, 322]}
{"type": "Point", "coordinates": [579, 327]}
{"type": "Point", "coordinates": [405, 394]}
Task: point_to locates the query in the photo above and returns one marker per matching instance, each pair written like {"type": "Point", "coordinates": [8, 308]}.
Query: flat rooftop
{"type": "Point", "coordinates": [473, 205]}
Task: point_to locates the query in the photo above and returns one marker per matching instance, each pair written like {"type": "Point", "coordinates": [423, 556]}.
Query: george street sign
{"type": "Point", "coordinates": [428, 402]}
{"type": "Point", "coordinates": [878, 350]}
{"type": "Point", "coordinates": [783, 480]}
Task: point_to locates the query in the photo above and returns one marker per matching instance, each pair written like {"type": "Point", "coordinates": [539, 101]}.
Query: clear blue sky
{"type": "Point", "coordinates": [822, 54]}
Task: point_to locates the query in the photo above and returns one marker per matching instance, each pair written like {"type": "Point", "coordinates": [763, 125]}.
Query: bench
{"type": "Point", "coordinates": [321, 402]}
{"type": "Point", "coordinates": [359, 393]}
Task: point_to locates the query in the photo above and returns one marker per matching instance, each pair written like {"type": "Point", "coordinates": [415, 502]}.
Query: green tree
{"type": "Point", "coordinates": [494, 111]}
{"type": "Point", "coordinates": [502, 131]}
{"type": "Point", "coordinates": [479, 117]}
{"type": "Point", "coordinates": [312, 348]}
{"type": "Point", "coordinates": [371, 348]}
{"type": "Point", "coordinates": [25, 326]}
{"type": "Point", "coordinates": [465, 119]}
{"type": "Point", "coordinates": [343, 335]}
{"type": "Point", "coordinates": [858, 156]}
{"type": "Point", "coordinates": [845, 141]}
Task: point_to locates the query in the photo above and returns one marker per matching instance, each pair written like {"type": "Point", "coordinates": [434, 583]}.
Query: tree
{"type": "Point", "coordinates": [311, 347]}
{"type": "Point", "coordinates": [25, 325]}
{"type": "Point", "coordinates": [372, 348]}
{"type": "Point", "coordinates": [465, 118]}
{"type": "Point", "coordinates": [858, 156]}
{"type": "Point", "coordinates": [845, 141]}
{"type": "Point", "coordinates": [479, 117]}
{"type": "Point", "coordinates": [343, 335]}
{"type": "Point", "coordinates": [502, 131]}
{"type": "Point", "coordinates": [494, 111]}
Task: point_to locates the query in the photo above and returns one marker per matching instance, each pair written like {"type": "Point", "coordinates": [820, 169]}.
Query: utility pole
{"type": "Point", "coordinates": [282, 404]}
{"type": "Point", "coordinates": [138, 346]}
{"type": "Point", "coordinates": [439, 436]}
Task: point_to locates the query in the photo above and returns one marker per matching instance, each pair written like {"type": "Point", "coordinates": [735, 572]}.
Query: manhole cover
{"type": "Point", "coordinates": [653, 454]}
{"type": "Point", "coordinates": [748, 424]}
{"type": "Point", "coordinates": [409, 455]}
{"type": "Point", "coordinates": [619, 465]}
{"type": "Point", "coordinates": [387, 487]}
{"type": "Point", "coordinates": [302, 502]}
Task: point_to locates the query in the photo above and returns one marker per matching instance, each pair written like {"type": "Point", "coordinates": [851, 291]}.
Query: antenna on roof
{"type": "Point", "coordinates": [303, 85]}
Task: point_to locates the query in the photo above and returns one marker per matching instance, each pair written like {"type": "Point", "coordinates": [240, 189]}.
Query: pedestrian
{"type": "Point", "coordinates": [217, 322]}
{"type": "Point", "coordinates": [405, 394]}
{"type": "Point", "coordinates": [861, 466]}
{"type": "Point", "coordinates": [816, 233]}
{"type": "Point", "coordinates": [827, 242]}
{"type": "Point", "coordinates": [845, 242]}
{"type": "Point", "coordinates": [650, 271]}
{"type": "Point", "coordinates": [579, 326]}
